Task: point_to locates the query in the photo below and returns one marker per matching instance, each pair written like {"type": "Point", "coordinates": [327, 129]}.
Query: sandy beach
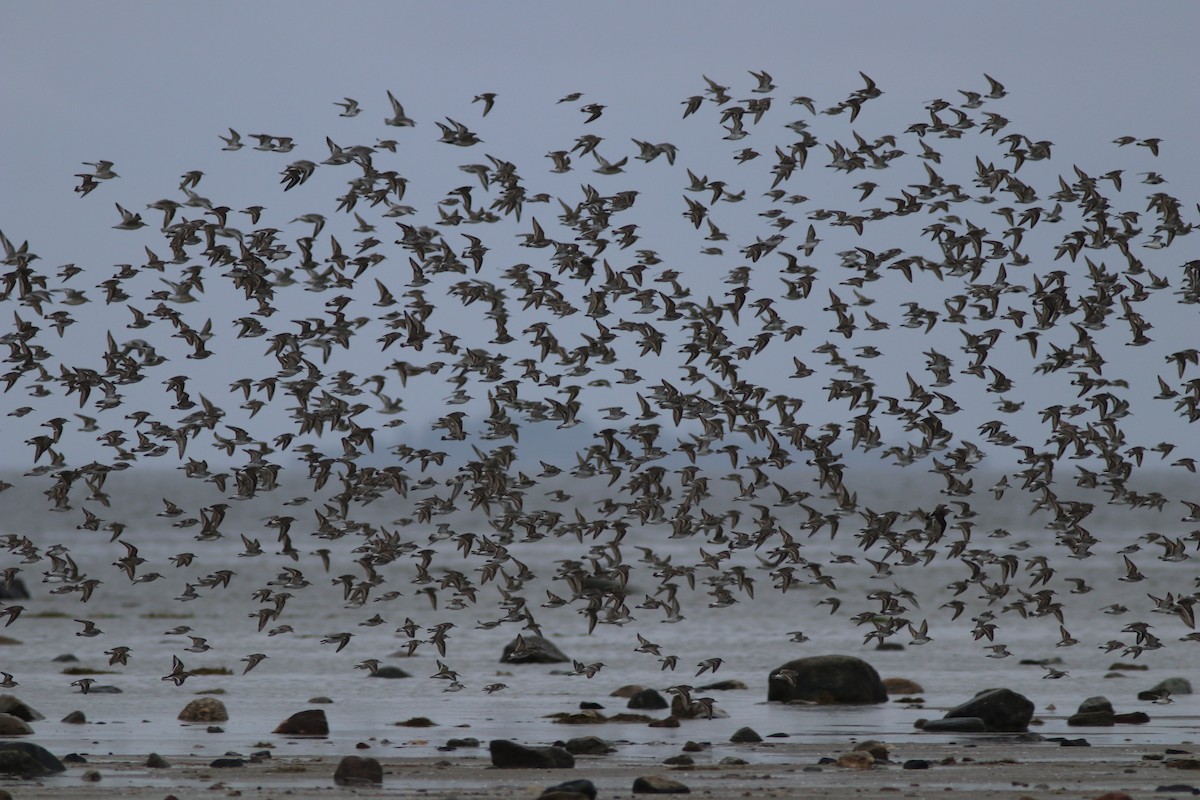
{"type": "Point", "coordinates": [991, 767]}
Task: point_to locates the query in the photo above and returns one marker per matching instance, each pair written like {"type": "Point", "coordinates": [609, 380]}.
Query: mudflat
{"type": "Point", "coordinates": [985, 769]}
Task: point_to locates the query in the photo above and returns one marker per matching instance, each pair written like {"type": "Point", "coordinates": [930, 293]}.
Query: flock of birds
{"type": "Point", "coordinates": [700, 359]}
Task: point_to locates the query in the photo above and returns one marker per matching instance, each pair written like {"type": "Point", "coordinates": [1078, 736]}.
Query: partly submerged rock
{"type": "Point", "coordinates": [1167, 687]}
{"type": "Point", "coordinates": [582, 788]}
{"type": "Point", "coordinates": [1002, 710]}
{"type": "Point", "coordinates": [745, 736]}
{"type": "Point", "coordinates": [358, 771]}
{"type": "Point", "coordinates": [831, 679]}
{"type": "Point", "coordinates": [954, 725]}
{"type": "Point", "coordinates": [11, 704]}
{"type": "Point", "coordinates": [656, 784]}
{"type": "Point", "coordinates": [648, 699]}
{"type": "Point", "coordinates": [204, 709]}
{"type": "Point", "coordinates": [38, 753]}
{"type": "Point", "coordinates": [14, 726]}
{"type": "Point", "coordinates": [532, 650]}
{"type": "Point", "coordinates": [510, 755]}
{"type": "Point", "coordinates": [305, 723]}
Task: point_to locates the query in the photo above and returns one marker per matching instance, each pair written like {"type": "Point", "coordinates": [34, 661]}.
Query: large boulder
{"type": "Point", "coordinates": [305, 723]}
{"type": "Point", "coordinates": [14, 726]}
{"type": "Point", "coordinates": [1002, 710]}
{"type": "Point", "coordinates": [1166, 688]}
{"type": "Point", "coordinates": [656, 784]}
{"type": "Point", "coordinates": [648, 699]}
{"type": "Point", "coordinates": [510, 755]}
{"type": "Point", "coordinates": [43, 757]}
{"type": "Point", "coordinates": [826, 680]}
{"type": "Point", "coordinates": [588, 746]}
{"type": "Point", "coordinates": [358, 771]}
{"type": "Point", "coordinates": [13, 590]}
{"type": "Point", "coordinates": [10, 704]}
{"type": "Point", "coordinates": [532, 650]}
{"type": "Point", "coordinates": [18, 764]}
{"type": "Point", "coordinates": [204, 709]}
{"type": "Point", "coordinates": [580, 789]}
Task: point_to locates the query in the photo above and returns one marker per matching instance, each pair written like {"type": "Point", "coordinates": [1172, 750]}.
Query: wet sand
{"type": "Point", "coordinates": [984, 769]}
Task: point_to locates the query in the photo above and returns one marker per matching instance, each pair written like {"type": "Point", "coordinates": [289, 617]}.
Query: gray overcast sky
{"type": "Point", "coordinates": [150, 86]}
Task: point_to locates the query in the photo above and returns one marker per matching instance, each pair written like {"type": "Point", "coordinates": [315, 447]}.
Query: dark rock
{"type": "Point", "coordinates": [588, 746]}
{"type": "Point", "coordinates": [305, 723]}
{"type": "Point", "coordinates": [1116, 794]}
{"type": "Point", "coordinates": [733, 761]}
{"type": "Point", "coordinates": [679, 761]}
{"type": "Point", "coordinates": [389, 672]}
{"type": "Point", "coordinates": [469, 741]}
{"type": "Point", "coordinates": [731, 685]}
{"type": "Point", "coordinates": [1092, 719]}
{"type": "Point", "coordinates": [204, 709]}
{"type": "Point", "coordinates": [91, 776]}
{"type": "Point", "coordinates": [654, 784]}
{"type": "Point", "coordinates": [1178, 788]}
{"type": "Point", "coordinates": [628, 690]}
{"type": "Point", "coordinates": [65, 658]}
{"type": "Point", "coordinates": [1182, 763]}
{"type": "Point", "coordinates": [37, 752]}
{"type": "Point", "coordinates": [581, 786]}
{"type": "Point", "coordinates": [13, 590]}
{"type": "Point", "coordinates": [358, 771]}
{"type": "Point", "coordinates": [955, 725]}
{"type": "Point", "coordinates": [417, 722]}
{"type": "Point", "coordinates": [902, 686]}
{"type": "Point", "coordinates": [214, 729]}
{"type": "Point", "coordinates": [537, 650]}
{"type": "Point", "coordinates": [695, 747]}
{"type": "Point", "coordinates": [1074, 743]}
{"type": "Point", "coordinates": [155, 761]}
{"type": "Point", "coordinates": [889, 647]}
{"type": "Point", "coordinates": [878, 750]}
{"type": "Point", "coordinates": [579, 718]}
{"type": "Point", "coordinates": [589, 706]}
{"type": "Point", "coordinates": [1097, 703]}
{"type": "Point", "coordinates": [227, 763]}
{"type": "Point", "coordinates": [1002, 710]}
{"type": "Point", "coordinates": [74, 758]}
{"type": "Point", "coordinates": [827, 679]}
{"type": "Point", "coordinates": [648, 699]}
{"type": "Point", "coordinates": [9, 704]}
{"type": "Point", "coordinates": [319, 701]}
{"type": "Point", "coordinates": [14, 726]}
{"type": "Point", "coordinates": [1128, 667]}
{"type": "Point", "coordinates": [745, 736]}
{"type": "Point", "coordinates": [1133, 718]}
{"type": "Point", "coordinates": [1175, 686]}
{"type": "Point", "coordinates": [105, 689]}
{"type": "Point", "coordinates": [75, 718]}
{"type": "Point", "coordinates": [916, 763]}
{"type": "Point", "coordinates": [856, 760]}
{"type": "Point", "coordinates": [510, 755]}
{"type": "Point", "coordinates": [669, 722]}
{"type": "Point", "coordinates": [20, 764]}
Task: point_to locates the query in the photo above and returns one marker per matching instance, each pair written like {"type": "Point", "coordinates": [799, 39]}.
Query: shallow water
{"type": "Point", "coordinates": [752, 636]}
